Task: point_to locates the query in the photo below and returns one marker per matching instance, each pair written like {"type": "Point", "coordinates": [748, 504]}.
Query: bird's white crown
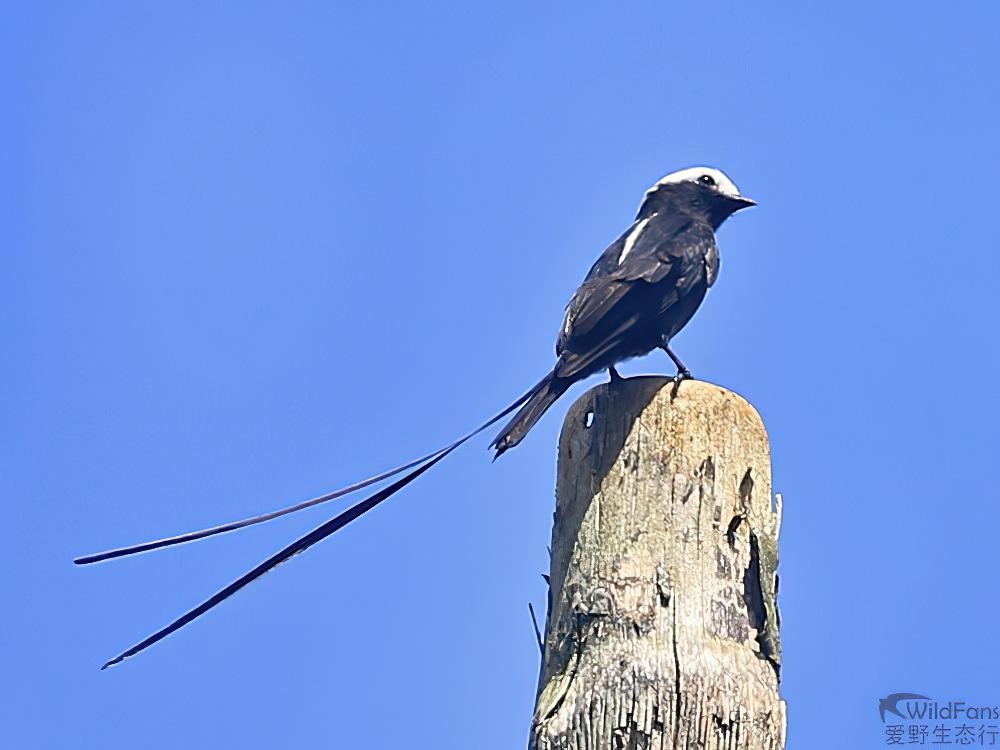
{"type": "Point", "coordinates": [719, 180]}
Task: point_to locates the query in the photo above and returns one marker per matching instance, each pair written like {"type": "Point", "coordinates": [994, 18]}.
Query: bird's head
{"type": "Point", "coordinates": [701, 190]}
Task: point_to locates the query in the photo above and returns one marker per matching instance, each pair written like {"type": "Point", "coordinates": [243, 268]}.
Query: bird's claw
{"type": "Point", "coordinates": [683, 375]}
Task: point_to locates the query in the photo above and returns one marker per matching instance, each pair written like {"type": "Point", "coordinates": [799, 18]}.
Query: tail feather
{"type": "Point", "coordinates": [321, 532]}
{"type": "Point", "coordinates": [192, 536]}
{"type": "Point", "coordinates": [544, 395]}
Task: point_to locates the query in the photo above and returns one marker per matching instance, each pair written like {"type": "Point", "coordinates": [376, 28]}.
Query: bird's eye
{"type": "Point", "coordinates": [706, 179]}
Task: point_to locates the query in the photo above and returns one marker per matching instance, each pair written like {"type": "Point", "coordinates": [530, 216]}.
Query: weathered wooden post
{"type": "Point", "coordinates": [662, 630]}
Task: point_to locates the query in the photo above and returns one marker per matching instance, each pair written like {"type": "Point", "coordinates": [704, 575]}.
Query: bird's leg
{"type": "Point", "coordinates": [683, 373]}
{"type": "Point", "coordinates": [615, 377]}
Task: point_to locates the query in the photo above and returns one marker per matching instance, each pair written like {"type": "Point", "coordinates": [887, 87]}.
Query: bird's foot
{"type": "Point", "coordinates": [683, 373]}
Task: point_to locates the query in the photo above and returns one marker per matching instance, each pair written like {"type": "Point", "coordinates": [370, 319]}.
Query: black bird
{"type": "Point", "coordinates": [641, 291]}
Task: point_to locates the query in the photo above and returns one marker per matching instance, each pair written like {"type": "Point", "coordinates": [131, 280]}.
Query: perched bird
{"type": "Point", "coordinates": [641, 291]}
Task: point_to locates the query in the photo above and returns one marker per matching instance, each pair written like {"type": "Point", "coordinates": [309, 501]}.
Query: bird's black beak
{"type": "Point", "coordinates": [742, 202]}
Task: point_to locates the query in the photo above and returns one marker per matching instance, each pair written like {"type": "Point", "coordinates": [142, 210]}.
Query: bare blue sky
{"type": "Point", "coordinates": [254, 251]}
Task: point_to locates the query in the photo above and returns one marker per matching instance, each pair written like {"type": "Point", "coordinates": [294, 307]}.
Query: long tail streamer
{"type": "Point", "coordinates": [192, 536]}
{"type": "Point", "coordinates": [316, 535]}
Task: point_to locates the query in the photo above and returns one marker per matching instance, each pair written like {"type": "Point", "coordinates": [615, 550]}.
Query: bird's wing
{"type": "Point", "coordinates": [608, 303]}
{"type": "Point", "coordinates": [647, 256]}
{"type": "Point", "coordinates": [678, 246]}
{"type": "Point", "coordinates": [643, 237]}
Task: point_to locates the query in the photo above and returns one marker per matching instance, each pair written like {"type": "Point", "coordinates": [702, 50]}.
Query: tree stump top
{"type": "Point", "coordinates": [662, 628]}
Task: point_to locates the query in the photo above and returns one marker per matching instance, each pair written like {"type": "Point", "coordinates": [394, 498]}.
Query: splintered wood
{"type": "Point", "coordinates": [662, 629]}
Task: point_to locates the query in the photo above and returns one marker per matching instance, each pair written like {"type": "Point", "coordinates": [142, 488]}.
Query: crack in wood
{"type": "Point", "coordinates": [662, 629]}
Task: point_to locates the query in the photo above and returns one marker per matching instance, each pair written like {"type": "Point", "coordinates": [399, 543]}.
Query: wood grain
{"type": "Point", "coordinates": [662, 629]}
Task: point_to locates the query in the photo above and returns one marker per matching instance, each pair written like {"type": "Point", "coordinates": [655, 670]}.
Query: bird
{"type": "Point", "coordinates": [642, 290]}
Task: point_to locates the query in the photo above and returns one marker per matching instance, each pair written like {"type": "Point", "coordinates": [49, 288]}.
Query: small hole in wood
{"type": "Point", "coordinates": [588, 420]}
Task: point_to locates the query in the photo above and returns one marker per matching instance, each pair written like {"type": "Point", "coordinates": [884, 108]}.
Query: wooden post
{"type": "Point", "coordinates": [662, 630]}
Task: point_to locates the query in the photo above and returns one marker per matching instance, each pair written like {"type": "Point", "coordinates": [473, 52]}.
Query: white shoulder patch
{"type": "Point", "coordinates": [567, 322]}
{"type": "Point", "coordinates": [633, 237]}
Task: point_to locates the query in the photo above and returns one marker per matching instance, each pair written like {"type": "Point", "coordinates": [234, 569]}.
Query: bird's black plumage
{"type": "Point", "coordinates": [641, 291]}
